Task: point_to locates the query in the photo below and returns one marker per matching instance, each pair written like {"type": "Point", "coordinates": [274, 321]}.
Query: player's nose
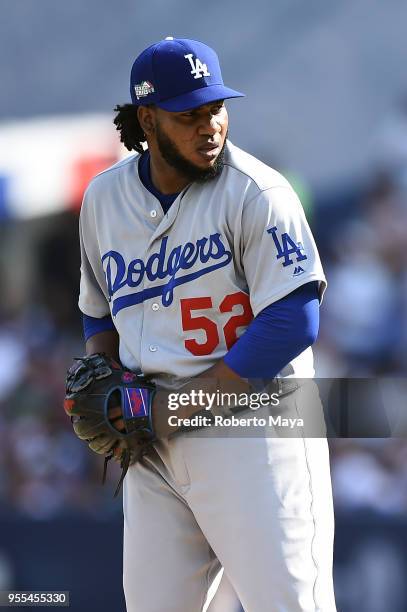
{"type": "Point", "coordinates": [210, 125]}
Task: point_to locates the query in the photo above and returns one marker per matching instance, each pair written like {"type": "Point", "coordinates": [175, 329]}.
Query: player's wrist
{"type": "Point", "coordinates": [222, 372]}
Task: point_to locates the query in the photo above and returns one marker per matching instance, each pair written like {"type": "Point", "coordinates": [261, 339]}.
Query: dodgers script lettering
{"type": "Point", "coordinates": [163, 266]}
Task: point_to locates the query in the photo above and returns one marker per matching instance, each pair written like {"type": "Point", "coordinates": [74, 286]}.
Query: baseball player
{"type": "Point", "coordinates": [199, 271]}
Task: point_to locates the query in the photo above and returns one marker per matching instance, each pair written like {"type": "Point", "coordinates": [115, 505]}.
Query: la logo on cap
{"type": "Point", "coordinates": [199, 69]}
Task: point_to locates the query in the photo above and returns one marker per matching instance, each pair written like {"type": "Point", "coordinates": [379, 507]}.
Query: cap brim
{"type": "Point", "coordinates": [198, 97]}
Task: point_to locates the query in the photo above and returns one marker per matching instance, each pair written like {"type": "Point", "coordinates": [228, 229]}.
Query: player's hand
{"type": "Point", "coordinates": [102, 443]}
{"type": "Point", "coordinates": [116, 418]}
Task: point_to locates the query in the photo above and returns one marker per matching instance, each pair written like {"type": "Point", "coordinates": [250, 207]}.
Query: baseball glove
{"type": "Point", "coordinates": [100, 395]}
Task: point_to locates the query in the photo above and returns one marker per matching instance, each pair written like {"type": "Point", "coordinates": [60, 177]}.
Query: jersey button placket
{"type": "Point", "coordinates": [150, 308]}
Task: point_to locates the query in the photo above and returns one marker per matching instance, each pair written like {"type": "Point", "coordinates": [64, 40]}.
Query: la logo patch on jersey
{"type": "Point", "coordinates": [285, 247]}
{"type": "Point", "coordinates": [199, 69]}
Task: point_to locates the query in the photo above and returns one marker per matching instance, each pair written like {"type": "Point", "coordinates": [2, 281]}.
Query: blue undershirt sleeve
{"type": "Point", "coordinates": [92, 325]}
{"type": "Point", "coordinates": [278, 334]}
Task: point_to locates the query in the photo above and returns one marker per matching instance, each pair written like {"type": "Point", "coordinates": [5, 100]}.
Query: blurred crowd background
{"type": "Point", "coordinates": [348, 164]}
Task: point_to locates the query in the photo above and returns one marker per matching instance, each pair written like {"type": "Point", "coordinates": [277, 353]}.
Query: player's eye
{"type": "Point", "coordinates": [215, 110]}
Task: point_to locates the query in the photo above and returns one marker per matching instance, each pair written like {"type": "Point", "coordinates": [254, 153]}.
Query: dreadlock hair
{"type": "Point", "coordinates": [127, 123]}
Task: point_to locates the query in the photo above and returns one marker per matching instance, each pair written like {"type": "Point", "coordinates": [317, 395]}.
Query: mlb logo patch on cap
{"type": "Point", "coordinates": [143, 89]}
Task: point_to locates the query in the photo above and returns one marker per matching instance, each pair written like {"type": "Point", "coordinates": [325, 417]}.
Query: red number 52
{"type": "Point", "coordinates": [210, 327]}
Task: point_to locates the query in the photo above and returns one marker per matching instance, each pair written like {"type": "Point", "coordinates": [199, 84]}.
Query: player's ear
{"type": "Point", "coordinates": [146, 119]}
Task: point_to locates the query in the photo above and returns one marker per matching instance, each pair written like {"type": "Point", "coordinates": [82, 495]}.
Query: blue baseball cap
{"type": "Point", "coordinates": [178, 74]}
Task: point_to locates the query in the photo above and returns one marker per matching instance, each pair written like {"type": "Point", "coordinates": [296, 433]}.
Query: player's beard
{"type": "Point", "coordinates": [193, 173]}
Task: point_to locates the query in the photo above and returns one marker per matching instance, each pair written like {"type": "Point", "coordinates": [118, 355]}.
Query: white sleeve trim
{"type": "Point", "coordinates": [303, 280]}
{"type": "Point", "coordinates": [93, 311]}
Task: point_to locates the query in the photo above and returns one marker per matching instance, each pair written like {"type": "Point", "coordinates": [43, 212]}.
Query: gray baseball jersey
{"type": "Point", "coordinates": [183, 286]}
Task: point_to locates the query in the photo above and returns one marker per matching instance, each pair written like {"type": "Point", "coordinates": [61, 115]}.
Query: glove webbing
{"type": "Point", "coordinates": [124, 464]}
